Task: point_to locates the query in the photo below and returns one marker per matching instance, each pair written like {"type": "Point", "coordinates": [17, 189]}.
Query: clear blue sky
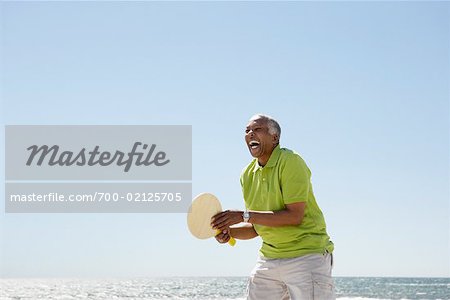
{"type": "Point", "coordinates": [361, 91]}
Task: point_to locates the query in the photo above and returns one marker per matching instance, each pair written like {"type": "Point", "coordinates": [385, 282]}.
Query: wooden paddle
{"type": "Point", "coordinates": [202, 209]}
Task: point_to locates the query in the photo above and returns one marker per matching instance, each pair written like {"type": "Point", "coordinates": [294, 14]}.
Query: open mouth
{"type": "Point", "coordinates": [253, 144]}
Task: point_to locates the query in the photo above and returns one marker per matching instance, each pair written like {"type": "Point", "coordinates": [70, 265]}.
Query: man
{"type": "Point", "coordinates": [296, 255]}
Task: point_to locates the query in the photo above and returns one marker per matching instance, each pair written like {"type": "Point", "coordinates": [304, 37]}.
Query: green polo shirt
{"type": "Point", "coordinates": [283, 180]}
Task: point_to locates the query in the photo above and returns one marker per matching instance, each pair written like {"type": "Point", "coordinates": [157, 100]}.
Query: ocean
{"type": "Point", "coordinates": [210, 288]}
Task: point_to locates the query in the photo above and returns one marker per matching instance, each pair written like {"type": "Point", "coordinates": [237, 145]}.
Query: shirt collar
{"type": "Point", "coordinates": [272, 160]}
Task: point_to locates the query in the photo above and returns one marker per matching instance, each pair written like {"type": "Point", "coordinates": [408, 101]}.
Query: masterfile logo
{"type": "Point", "coordinates": [68, 158]}
{"type": "Point", "coordinates": [105, 152]}
{"type": "Point", "coordinates": [107, 168]}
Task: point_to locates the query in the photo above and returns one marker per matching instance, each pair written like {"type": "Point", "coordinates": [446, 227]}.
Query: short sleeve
{"type": "Point", "coordinates": [295, 180]}
{"type": "Point", "coordinates": [242, 178]}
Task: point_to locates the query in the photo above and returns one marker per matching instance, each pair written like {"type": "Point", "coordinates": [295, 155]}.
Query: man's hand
{"type": "Point", "coordinates": [223, 237]}
{"type": "Point", "coordinates": [222, 221]}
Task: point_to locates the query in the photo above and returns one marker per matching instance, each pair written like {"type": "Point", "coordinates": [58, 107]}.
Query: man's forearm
{"type": "Point", "coordinates": [244, 232]}
{"type": "Point", "coordinates": [276, 218]}
{"type": "Point", "coordinates": [290, 216]}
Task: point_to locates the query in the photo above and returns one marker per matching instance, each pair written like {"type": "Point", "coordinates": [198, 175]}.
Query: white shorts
{"type": "Point", "coordinates": [300, 278]}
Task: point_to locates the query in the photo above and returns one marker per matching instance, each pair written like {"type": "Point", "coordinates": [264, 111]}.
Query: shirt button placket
{"type": "Point", "coordinates": [264, 183]}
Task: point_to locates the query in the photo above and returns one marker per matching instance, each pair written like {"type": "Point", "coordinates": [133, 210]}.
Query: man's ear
{"type": "Point", "coordinates": [275, 139]}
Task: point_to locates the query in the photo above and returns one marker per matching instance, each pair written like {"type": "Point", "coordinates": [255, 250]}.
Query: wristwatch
{"type": "Point", "coordinates": [246, 216]}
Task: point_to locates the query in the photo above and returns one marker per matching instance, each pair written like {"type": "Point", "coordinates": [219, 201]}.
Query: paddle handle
{"type": "Point", "coordinates": [231, 241]}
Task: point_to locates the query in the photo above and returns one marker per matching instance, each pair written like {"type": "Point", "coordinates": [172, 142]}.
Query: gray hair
{"type": "Point", "coordinates": [274, 127]}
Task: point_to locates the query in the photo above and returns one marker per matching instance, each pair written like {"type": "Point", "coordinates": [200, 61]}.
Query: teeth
{"type": "Point", "coordinates": [253, 143]}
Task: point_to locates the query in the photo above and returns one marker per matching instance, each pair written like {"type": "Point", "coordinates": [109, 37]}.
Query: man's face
{"type": "Point", "coordinates": [259, 141]}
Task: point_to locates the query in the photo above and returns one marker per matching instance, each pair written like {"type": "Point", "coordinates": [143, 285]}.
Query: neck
{"type": "Point", "coordinates": [262, 161]}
